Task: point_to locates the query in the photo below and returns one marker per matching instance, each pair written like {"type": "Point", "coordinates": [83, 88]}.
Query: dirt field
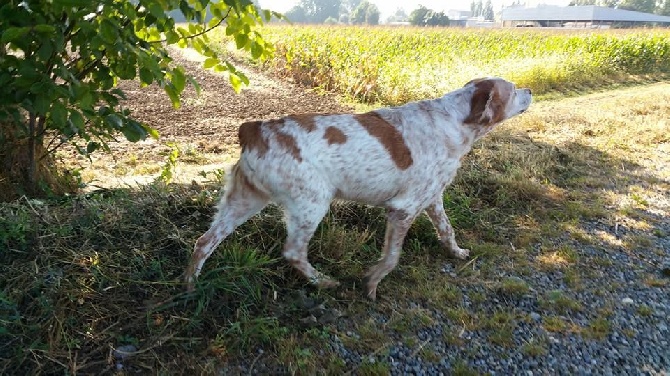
{"type": "Point", "coordinates": [204, 128]}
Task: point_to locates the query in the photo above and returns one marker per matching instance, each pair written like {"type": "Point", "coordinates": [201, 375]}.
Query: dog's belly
{"type": "Point", "coordinates": [369, 187]}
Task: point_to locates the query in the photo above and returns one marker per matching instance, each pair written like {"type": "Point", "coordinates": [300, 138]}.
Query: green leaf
{"type": "Point", "coordinates": [45, 29]}
{"type": "Point", "coordinates": [41, 105]}
{"type": "Point", "coordinates": [194, 83]}
{"type": "Point", "coordinates": [151, 131]}
{"type": "Point", "coordinates": [133, 131]}
{"type": "Point", "coordinates": [178, 79]}
{"type": "Point", "coordinates": [172, 37]}
{"type": "Point", "coordinates": [108, 31]}
{"type": "Point", "coordinates": [77, 120]}
{"type": "Point", "coordinates": [114, 121]}
{"type": "Point", "coordinates": [210, 62]}
{"type": "Point", "coordinates": [146, 76]}
{"type": "Point", "coordinates": [45, 51]}
{"type": "Point", "coordinates": [156, 10]}
{"type": "Point", "coordinates": [13, 33]}
{"type": "Point", "coordinates": [235, 82]}
{"type": "Point", "coordinates": [241, 41]}
{"type": "Point", "coordinates": [59, 115]}
{"type": "Point", "coordinates": [91, 147]}
{"type": "Point", "coordinates": [174, 97]}
{"type": "Point", "coordinates": [256, 50]}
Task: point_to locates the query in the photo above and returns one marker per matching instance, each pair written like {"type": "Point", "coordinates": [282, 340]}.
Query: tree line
{"type": "Point", "coordinates": [661, 7]}
{"type": "Point", "coordinates": [359, 12]}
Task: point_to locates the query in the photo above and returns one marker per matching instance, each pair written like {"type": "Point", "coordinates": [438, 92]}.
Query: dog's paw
{"type": "Point", "coordinates": [328, 283]}
{"type": "Point", "coordinates": [460, 253]}
{"type": "Point", "coordinates": [370, 288]}
{"type": "Point", "coordinates": [325, 282]}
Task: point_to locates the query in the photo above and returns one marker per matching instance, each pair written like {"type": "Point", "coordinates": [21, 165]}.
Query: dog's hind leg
{"type": "Point", "coordinates": [397, 225]}
{"type": "Point", "coordinates": [240, 202]}
{"type": "Point", "coordinates": [445, 232]}
{"type": "Point", "coordinates": [301, 222]}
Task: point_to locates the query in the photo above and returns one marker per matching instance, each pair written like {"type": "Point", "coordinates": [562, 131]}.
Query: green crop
{"type": "Point", "coordinates": [395, 65]}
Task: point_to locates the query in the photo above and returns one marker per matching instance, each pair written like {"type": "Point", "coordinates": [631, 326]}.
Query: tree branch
{"type": "Point", "coordinates": [31, 151]}
{"type": "Point", "coordinates": [202, 32]}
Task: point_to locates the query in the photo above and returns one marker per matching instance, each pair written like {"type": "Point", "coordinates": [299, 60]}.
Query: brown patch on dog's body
{"type": "Point", "coordinates": [389, 136]}
{"type": "Point", "coordinates": [288, 142]}
{"type": "Point", "coordinates": [334, 136]}
{"type": "Point", "coordinates": [306, 121]}
{"type": "Point", "coordinates": [251, 137]}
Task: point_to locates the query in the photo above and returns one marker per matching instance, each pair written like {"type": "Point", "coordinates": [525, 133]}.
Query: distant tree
{"type": "Point", "coordinates": [365, 12]}
{"type": "Point", "coordinates": [344, 18]}
{"type": "Point", "coordinates": [608, 3]}
{"type": "Point", "coordinates": [350, 5]}
{"type": "Point", "coordinates": [297, 14]}
{"type": "Point", "coordinates": [372, 15]}
{"type": "Point", "coordinates": [664, 9]}
{"type": "Point", "coordinates": [477, 8]}
{"type": "Point", "coordinates": [357, 17]}
{"type": "Point", "coordinates": [399, 16]}
{"type": "Point", "coordinates": [488, 12]}
{"type": "Point", "coordinates": [436, 19]}
{"type": "Point", "coordinates": [582, 2]}
{"type": "Point", "coordinates": [331, 21]}
{"type": "Point", "coordinates": [418, 16]}
{"type": "Point", "coordinates": [317, 11]}
{"type": "Point", "coordinates": [646, 6]}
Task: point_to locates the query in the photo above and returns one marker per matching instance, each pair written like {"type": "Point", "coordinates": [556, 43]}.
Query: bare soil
{"type": "Point", "coordinates": [204, 128]}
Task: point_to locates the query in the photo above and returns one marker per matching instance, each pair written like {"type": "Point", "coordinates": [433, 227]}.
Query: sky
{"type": "Point", "coordinates": [388, 7]}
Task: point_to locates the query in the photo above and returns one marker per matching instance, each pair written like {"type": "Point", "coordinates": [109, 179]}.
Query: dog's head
{"type": "Point", "coordinates": [494, 100]}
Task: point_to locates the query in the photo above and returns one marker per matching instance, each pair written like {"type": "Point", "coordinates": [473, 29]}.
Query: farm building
{"type": "Point", "coordinates": [589, 16]}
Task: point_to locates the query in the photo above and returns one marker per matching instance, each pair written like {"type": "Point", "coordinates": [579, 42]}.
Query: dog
{"type": "Point", "coordinates": [399, 158]}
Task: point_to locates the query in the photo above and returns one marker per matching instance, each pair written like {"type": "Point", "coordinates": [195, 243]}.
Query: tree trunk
{"type": "Point", "coordinates": [24, 167]}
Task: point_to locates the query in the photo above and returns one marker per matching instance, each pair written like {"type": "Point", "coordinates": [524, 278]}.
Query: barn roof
{"type": "Point", "coordinates": [579, 13]}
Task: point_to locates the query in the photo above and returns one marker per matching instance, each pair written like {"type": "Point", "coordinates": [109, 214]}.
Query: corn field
{"type": "Point", "coordinates": [395, 65]}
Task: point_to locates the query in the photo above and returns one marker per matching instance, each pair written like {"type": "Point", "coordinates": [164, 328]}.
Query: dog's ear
{"type": "Point", "coordinates": [487, 106]}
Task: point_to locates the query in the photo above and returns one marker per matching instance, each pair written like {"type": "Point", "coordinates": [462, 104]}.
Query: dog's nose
{"type": "Point", "coordinates": [529, 92]}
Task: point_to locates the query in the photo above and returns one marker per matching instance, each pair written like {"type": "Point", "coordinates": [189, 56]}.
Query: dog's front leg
{"type": "Point", "coordinates": [445, 232]}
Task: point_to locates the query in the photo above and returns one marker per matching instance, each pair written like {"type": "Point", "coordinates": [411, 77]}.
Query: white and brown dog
{"type": "Point", "coordinates": [400, 158]}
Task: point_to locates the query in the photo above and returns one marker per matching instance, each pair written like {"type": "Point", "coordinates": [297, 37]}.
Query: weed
{"type": "Point", "coordinates": [501, 326]}
{"type": "Point", "coordinates": [514, 287]}
{"type": "Point", "coordinates": [598, 328]}
{"type": "Point", "coordinates": [376, 368]}
{"type": "Point", "coordinates": [167, 172]}
{"type": "Point", "coordinates": [645, 311]}
{"type": "Point", "coordinates": [557, 301]}
{"type": "Point", "coordinates": [534, 348]}
{"type": "Point", "coordinates": [461, 368]}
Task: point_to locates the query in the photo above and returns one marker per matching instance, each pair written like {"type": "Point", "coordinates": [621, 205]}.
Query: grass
{"type": "Point", "coordinates": [81, 276]}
